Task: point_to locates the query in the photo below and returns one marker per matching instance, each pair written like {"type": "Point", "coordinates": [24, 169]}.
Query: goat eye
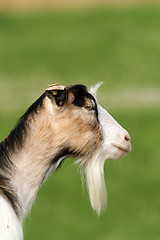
{"type": "Point", "coordinates": [90, 108]}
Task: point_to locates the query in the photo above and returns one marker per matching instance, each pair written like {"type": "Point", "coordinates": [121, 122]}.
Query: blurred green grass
{"type": "Point", "coordinates": [120, 47]}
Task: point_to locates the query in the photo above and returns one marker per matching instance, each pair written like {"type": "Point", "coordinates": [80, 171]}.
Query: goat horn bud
{"type": "Point", "coordinates": [55, 87]}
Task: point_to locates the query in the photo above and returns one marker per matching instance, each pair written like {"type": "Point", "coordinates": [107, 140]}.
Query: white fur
{"type": "Point", "coordinates": [114, 136]}
{"type": "Point", "coordinates": [115, 145]}
{"type": "Point", "coordinates": [96, 183]}
{"type": "Point", "coordinates": [10, 225]}
{"type": "Point", "coordinates": [93, 90]}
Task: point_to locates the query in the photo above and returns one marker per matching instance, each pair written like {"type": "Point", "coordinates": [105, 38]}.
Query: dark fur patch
{"type": "Point", "coordinates": [80, 94]}
{"type": "Point", "coordinates": [60, 98]}
{"type": "Point", "coordinates": [17, 136]}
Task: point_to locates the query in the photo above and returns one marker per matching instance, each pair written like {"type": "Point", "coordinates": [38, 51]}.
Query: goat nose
{"type": "Point", "coordinates": [127, 138]}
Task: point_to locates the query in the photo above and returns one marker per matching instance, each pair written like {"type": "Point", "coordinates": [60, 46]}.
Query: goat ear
{"type": "Point", "coordinates": [58, 93]}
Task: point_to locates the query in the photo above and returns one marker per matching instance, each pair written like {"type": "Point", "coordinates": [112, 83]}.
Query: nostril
{"type": "Point", "coordinates": [127, 138]}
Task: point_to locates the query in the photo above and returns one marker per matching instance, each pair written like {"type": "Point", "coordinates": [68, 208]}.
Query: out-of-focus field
{"type": "Point", "coordinates": [63, 4]}
{"type": "Point", "coordinates": [122, 48]}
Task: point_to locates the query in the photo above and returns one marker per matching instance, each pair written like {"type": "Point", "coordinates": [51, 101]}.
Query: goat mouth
{"type": "Point", "coordinates": [126, 150]}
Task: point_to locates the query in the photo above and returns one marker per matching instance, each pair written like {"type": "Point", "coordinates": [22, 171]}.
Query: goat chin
{"type": "Point", "coordinates": [94, 175]}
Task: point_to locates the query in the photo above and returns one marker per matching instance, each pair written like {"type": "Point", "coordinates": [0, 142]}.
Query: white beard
{"type": "Point", "coordinates": [116, 143]}
{"type": "Point", "coordinates": [94, 174]}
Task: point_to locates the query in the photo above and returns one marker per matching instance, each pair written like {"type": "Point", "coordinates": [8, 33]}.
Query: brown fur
{"type": "Point", "coordinates": [47, 133]}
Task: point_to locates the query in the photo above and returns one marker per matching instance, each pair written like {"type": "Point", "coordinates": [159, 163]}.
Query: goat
{"type": "Point", "coordinates": [65, 121]}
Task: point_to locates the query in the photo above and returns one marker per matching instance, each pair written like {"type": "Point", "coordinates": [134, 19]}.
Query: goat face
{"type": "Point", "coordinates": [88, 132]}
{"type": "Point", "coordinates": [116, 139]}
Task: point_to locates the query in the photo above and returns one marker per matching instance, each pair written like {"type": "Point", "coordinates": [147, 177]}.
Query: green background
{"type": "Point", "coordinates": [117, 46]}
